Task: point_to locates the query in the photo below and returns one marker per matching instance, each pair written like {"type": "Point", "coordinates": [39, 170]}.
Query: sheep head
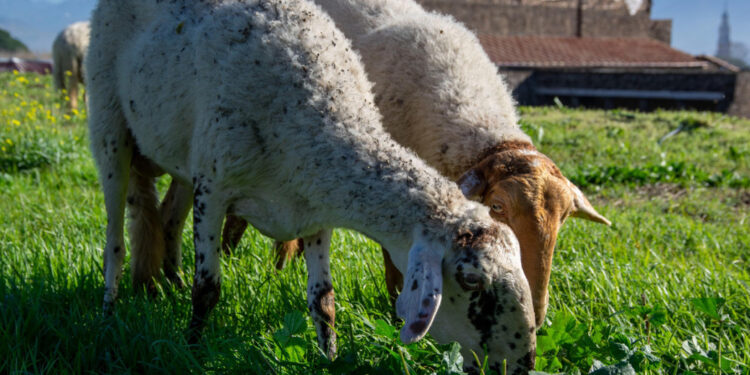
{"type": "Point", "coordinates": [486, 301]}
{"type": "Point", "coordinates": [526, 191]}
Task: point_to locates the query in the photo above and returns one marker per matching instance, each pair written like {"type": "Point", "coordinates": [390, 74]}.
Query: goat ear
{"type": "Point", "coordinates": [582, 208]}
{"type": "Point", "coordinates": [423, 289]}
{"type": "Point", "coordinates": [472, 183]}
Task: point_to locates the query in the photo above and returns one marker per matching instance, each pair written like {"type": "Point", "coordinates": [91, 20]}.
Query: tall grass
{"type": "Point", "coordinates": [664, 290]}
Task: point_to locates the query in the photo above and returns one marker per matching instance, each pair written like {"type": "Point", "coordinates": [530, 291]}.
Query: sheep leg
{"type": "Point", "coordinates": [234, 227]}
{"type": "Point", "coordinates": [112, 148]}
{"type": "Point", "coordinates": [286, 250]}
{"type": "Point", "coordinates": [320, 298]}
{"type": "Point", "coordinates": [73, 90]}
{"type": "Point", "coordinates": [174, 210]}
{"type": "Point", "coordinates": [394, 279]}
{"type": "Point", "coordinates": [208, 214]}
{"type": "Point", "coordinates": [146, 235]}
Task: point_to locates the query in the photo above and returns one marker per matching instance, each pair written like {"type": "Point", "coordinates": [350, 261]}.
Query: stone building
{"type": "Point", "coordinates": [595, 53]}
{"type": "Point", "coordinates": [574, 18]}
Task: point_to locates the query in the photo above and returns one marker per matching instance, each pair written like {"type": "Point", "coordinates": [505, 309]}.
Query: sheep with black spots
{"type": "Point", "coordinates": [262, 109]}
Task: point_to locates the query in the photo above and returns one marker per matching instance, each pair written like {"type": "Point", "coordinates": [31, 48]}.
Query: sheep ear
{"type": "Point", "coordinates": [472, 183]}
{"type": "Point", "coordinates": [423, 289]}
{"type": "Point", "coordinates": [582, 207]}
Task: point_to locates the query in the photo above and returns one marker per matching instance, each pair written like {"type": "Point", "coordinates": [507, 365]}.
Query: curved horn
{"type": "Point", "coordinates": [582, 207]}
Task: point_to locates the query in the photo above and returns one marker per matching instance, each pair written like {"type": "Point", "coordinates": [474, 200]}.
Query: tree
{"type": "Point", "coordinates": [10, 44]}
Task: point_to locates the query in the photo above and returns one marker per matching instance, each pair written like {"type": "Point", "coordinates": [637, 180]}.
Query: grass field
{"type": "Point", "coordinates": [662, 291]}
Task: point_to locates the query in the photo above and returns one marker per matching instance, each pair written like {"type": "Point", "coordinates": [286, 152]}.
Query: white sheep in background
{"type": "Point", "coordinates": [68, 54]}
{"type": "Point", "coordinates": [261, 109]}
{"type": "Point", "coordinates": [441, 96]}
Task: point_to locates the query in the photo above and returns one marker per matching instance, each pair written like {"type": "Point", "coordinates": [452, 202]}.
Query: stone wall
{"type": "Point", "coordinates": [741, 104]}
{"type": "Point", "coordinates": [601, 18]}
{"type": "Point", "coordinates": [661, 30]}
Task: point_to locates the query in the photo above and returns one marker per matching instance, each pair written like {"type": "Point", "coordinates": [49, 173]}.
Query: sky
{"type": "Point", "coordinates": [695, 23]}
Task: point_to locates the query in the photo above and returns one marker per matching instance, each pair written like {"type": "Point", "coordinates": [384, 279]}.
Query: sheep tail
{"type": "Point", "coordinates": [148, 248]}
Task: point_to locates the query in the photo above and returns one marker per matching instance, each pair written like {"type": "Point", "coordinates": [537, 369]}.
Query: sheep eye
{"type": "Point", "coordinates": [470, 281]}
{"type": "Point", "coordinates": [497, 208]}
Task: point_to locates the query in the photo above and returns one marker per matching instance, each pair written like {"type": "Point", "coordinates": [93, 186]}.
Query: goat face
{"type": "Point", "coordinates": [526, 191]}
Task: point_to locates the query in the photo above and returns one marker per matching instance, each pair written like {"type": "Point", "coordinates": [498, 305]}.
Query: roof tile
{"type": "Point", "coordinates": [572, 52]}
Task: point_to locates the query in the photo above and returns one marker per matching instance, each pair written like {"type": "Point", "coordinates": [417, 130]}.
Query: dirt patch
{"type": "Point", "coordinates": [662, 191]}
{"type": "Point", "coordinates": [743, 199]}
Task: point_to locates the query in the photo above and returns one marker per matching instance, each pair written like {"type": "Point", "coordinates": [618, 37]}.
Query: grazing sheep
{"type": "Point", "coordinates": [441, 96]}
{"type": "Point", "coordinates": [68, 53]}
{"type": "Point", "coordinates": [261, 109]}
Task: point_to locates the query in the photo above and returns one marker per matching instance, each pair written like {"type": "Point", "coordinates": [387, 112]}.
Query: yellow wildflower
{"type": "Point", "coordinates": [16, 122]}
{"type": "Point", "coordinates": [9, 142]}
{"type": "Point", "coordinates": [66, 117]}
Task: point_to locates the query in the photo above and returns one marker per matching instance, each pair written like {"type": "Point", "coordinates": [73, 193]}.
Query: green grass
{"type": "Point", "coordinates": [662, 291]}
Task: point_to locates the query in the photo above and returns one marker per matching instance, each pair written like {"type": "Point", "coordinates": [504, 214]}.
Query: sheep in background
{"type": "Point", "coordinates": [441, 96]}
{"type": "Point", "coordinates": [68, 53]}
{"type": "Point", "coordinates": [265, 112]}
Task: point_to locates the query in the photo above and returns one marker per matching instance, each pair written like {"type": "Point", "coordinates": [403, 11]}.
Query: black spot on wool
{"type": "Point", "coordinates": [483, 313]}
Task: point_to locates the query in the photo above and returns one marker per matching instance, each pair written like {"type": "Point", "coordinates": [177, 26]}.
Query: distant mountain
{"type": "Point", "coordinates": [10, 44]}
{"type": "Point", "coordinates": [37, 22]}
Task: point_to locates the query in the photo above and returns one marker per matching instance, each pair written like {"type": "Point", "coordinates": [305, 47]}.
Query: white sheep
{"type": "Point", "coordinates": [68, 54]}
{"type": "Point", "coordinates": [441, 96]}
{"type": "Point", "coordinates": [261, 109]}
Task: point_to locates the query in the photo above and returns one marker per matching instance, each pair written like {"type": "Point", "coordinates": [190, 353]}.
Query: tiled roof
{"type": "Point", "coordinates": [571, 52]}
